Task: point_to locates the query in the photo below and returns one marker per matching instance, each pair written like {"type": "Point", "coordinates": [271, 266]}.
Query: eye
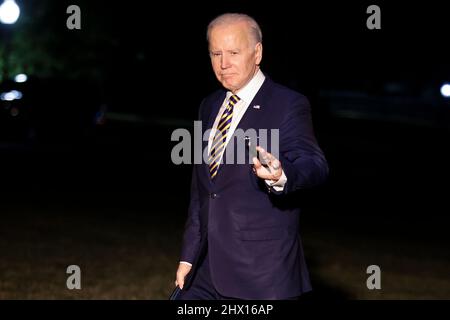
{"type": "Point", "coordinates": [215, 54]}
{"type": "Point", "coordinates": [234, 53]}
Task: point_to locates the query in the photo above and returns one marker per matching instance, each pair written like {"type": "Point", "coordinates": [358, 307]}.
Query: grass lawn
{"type": "Point", "coordinates": [133, 255]}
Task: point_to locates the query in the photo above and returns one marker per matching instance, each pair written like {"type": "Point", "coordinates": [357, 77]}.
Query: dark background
{"type": "Point", "coordinates": [91, 142]}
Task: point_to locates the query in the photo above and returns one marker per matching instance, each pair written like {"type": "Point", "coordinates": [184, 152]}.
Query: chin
{"type": "Point", "coordinates": [228, 85]}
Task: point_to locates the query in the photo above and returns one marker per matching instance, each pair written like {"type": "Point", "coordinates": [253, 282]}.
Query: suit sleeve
{"type": "Point", "coordinates": [192, 233]}
{"type": "Point", "coordinates": [302, 160]}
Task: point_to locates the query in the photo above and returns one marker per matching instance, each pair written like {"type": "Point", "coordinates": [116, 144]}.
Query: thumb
{"type": "Point", "coordinates": [256, 163]}
{"type": "Point", "coordinates": [180, 281]}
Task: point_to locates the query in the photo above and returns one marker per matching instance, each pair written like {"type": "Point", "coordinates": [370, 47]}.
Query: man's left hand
{"type": "Point", "coordinates": [271, 170]}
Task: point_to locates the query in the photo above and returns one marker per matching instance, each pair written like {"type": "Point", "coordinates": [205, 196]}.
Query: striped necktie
{"type": "Point", "coordinates": [218, 144]}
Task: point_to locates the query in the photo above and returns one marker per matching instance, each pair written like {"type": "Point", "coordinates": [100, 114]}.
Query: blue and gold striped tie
{"type": "Point", "coordinates": [218, 144]}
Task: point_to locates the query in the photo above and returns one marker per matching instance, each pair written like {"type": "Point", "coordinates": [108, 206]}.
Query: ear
{"type": "Point", "coordinates": [258, 52]}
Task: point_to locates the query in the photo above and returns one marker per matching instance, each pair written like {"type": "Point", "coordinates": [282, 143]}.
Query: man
{"type": "Point", "coordinates": [241, 237]}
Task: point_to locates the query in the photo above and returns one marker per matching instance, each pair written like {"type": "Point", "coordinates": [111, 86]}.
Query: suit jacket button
{"type": "Point", "coordinates": [213, 195]}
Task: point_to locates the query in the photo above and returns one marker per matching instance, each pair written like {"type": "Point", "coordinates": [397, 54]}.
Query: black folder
{"type": "Point", "coordinates": [175, 293]}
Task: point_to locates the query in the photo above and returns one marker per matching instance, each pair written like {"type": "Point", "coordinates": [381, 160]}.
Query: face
{"type": "Point", "coordinates": [235, 57]}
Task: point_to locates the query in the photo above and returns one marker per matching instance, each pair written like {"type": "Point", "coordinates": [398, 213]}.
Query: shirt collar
{"type": "Point", "coordinates": [249, 91]}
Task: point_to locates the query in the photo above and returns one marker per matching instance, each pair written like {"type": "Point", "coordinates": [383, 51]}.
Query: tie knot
{"type": "Point", "coordinates": [234, 98]}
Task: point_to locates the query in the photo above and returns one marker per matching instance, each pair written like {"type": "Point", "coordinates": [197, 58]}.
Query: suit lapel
{"type": "Point", "coordinates": [257, 108]}
{"type": "Point", "coordinates": [215, 110]}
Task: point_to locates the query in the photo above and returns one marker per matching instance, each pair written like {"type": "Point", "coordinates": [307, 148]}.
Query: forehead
{"type": "Point", "coordinates": [236, 33]}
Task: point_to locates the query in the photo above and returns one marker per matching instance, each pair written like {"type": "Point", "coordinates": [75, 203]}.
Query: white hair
{"type": "Point", "coordinates": [231, 18]}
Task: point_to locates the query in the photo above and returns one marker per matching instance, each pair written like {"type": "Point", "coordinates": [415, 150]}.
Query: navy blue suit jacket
{"type": "Point", "coordinates": [251, 231]}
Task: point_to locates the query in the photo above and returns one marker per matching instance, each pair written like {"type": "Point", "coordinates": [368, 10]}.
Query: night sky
{"type": "Point", "coordinates": [136, 49]}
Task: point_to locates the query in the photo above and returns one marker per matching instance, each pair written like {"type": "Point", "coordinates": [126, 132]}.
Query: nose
{"type": "Point", "coordinates": [225, 62]}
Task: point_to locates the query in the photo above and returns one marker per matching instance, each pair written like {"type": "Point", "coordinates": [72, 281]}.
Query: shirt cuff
{"type": "Point", "coordinates": [185, 262]}
{"type": "Point", "coordinates": [278, 185]}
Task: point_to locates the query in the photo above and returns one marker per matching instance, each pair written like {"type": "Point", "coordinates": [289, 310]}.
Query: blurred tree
{"type": "Point", "coordinates": [42, 46]}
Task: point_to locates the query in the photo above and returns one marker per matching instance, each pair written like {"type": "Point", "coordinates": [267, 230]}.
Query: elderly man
{"type": "Point", "coordinates": [241, 239]}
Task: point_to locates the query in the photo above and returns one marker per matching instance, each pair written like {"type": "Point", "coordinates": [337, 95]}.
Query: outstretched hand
{"type": "Point", "coordinates": [267, 167]}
